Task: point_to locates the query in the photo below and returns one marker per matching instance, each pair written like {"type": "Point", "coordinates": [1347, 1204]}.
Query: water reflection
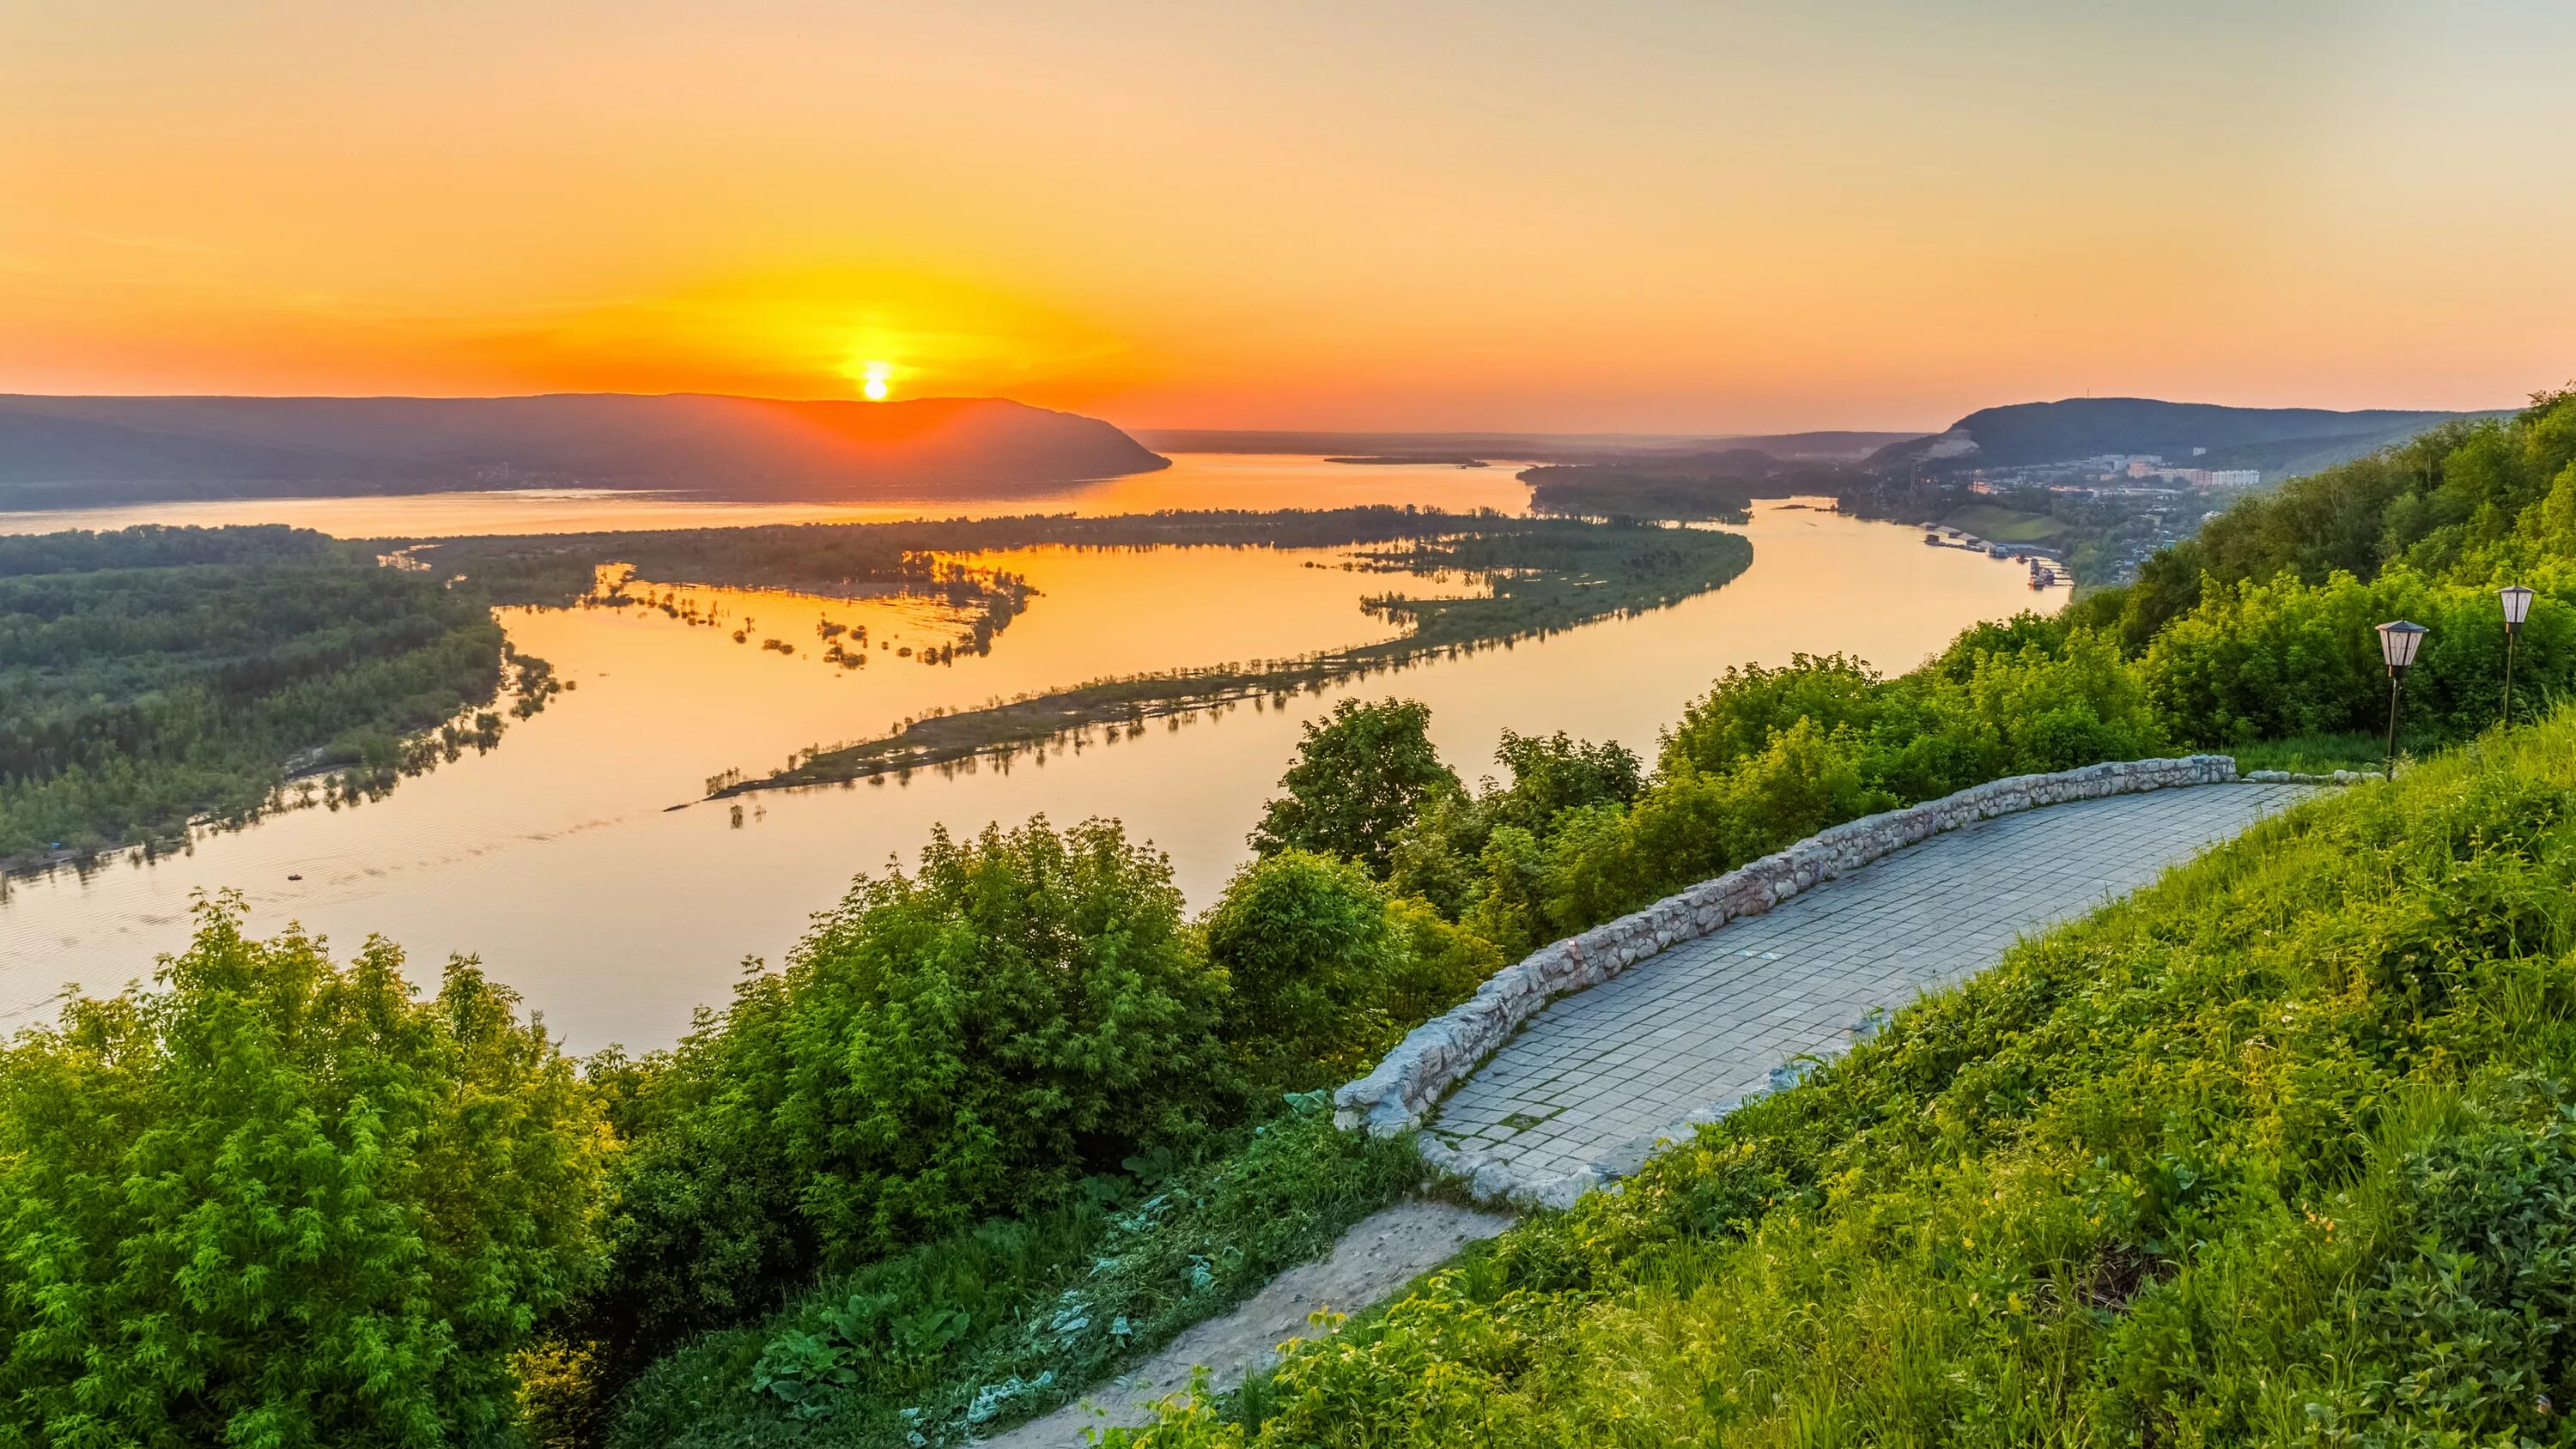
{"type": "Point", "coordinates": [558, 859]}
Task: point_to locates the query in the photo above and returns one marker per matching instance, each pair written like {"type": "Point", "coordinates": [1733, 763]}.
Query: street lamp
{"type": "Point", "coordinates": [2398, 641]}
{"type": "Point", "coordinates": [2517, 607]}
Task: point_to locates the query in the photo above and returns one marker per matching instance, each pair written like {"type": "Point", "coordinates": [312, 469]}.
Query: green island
{"type": "Point", "coordinates": [1637, 491]}
{"type": "Point", "coordinates": [155, 677]}
{"type": "Point", "coordinates": [1539, 577]}
{"type": "Point", "coordinates": [2278, 1149]}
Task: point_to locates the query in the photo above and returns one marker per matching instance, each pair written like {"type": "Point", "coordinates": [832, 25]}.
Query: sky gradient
{"type": "Point", "coordinates": [1619, 216]}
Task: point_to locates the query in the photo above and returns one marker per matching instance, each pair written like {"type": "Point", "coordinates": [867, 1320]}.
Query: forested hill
{"type": "Point", "coordinates": [2280, 441]}
{"type": "Point", "coordinates": [69, 451]}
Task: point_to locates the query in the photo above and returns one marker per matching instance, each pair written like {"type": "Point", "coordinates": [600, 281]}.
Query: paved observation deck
{"type": "Point", "coordinates": [1596, 1076]}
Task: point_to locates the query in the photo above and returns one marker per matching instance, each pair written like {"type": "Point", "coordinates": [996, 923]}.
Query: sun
{"type": "Point", "coordinates": [874, 378]}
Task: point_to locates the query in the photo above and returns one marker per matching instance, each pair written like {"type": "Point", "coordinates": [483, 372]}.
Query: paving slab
{"type": "Point", "coordinates": [1708, 1022]}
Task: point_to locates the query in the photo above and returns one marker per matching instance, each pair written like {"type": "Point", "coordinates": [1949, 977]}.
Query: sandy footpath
{"type": "Point", "coordinates": [1381, 1253]}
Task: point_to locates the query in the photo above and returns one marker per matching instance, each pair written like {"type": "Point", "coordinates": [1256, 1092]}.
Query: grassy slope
{"type": "Point", "coordinates": [2003, 525]}
{"type": "Point", "coordinates": [1045, 1306]}
{"type": "Point", "coordinates": [2278, 1150]}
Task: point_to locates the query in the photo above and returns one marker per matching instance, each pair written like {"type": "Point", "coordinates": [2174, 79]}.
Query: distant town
{"type": "Point", "coordinates": [2094, 519]}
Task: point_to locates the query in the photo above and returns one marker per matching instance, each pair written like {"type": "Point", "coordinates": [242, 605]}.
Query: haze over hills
{"type": "Point", "coordinates": [1821, 447]}
{"type": "Point", "coordinates": [2279, 441]}
{"type": "Point", "coordinates": [71, 451]}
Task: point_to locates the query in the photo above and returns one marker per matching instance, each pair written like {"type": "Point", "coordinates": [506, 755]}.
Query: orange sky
{"type": "Point", "coordinates": [1632, 216]}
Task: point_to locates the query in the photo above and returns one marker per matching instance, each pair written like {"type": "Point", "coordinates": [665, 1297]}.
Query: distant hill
{"type": "Point", "coordinates": [2279, 441]}
{"type": "Point", "coordinates": [1848, 447]}
{"type": "Point", "coordinates": [70, 451]}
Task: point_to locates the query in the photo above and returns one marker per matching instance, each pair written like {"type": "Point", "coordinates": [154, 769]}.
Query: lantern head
{"type": "Point", "coordinates": [2398, 641]}
{"type": "Point", "coordinates": [2517, 607]}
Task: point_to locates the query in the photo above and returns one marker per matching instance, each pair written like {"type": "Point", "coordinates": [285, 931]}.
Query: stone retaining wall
{"type": "Point", "coordinates": [1404, 1088]}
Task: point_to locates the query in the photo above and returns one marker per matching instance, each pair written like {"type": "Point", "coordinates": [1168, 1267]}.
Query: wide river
{"type": "Point", "coordinates": [558, 859]}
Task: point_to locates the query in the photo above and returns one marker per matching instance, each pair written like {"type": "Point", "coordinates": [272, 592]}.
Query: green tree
{"type": "Point", "coordinates": [277, 1201]}
{"type": "Point", "coordinates": [1025, 1010]}
{"type": "Point", "coordinates": [1306, 945]}
{"type": "Point", "coordinates": [1360, 777]}
{"type": "Point", "coordinates": [1736, 719]}
{"type": "Point", "coordinates": [1554, 773]}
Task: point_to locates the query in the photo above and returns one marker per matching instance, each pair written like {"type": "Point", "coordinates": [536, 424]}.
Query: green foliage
{"type": "Point", "coordinates": [1327, 973]}
{"type": "Point", "coordinates": [155, 675]}
{"type": "Point", "coordinates": [278, 1201]}
{"type": "Point", "coordinates": [979, 1330]}
{"type": "Point", "coordinates": [1770, 756]}
{"type": "Point", "coordinates": [2280, 1149]}
{"type": "Point", "coordinates": [1749, 704]}
{"type": "Point", "coordinates": [1552, 774]}
{"type": "Point", "coordinates": [1305, 942]}
{"type": "Point", "coordinates": [1025, 1011]}
{"type": "Point", "coordinates": [2262, 661]}
{"type": "Point", "coordinates": [1361, 775]}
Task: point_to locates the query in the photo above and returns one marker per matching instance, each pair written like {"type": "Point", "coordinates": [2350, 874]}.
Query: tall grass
{"type": "Point", "coordinates": [2278, 1150]}
{"type": "Point", "coordinates": [969, 1335]}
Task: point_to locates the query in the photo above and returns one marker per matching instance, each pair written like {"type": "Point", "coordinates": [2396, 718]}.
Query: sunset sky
{"type": "Point", "coordinates": [1687, 216]}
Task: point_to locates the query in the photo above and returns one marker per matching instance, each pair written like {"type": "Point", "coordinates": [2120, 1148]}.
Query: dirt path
{"type": "Point", "coordinates": [1381, 1253]}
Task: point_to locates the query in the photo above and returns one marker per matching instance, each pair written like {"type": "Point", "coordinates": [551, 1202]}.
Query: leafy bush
{"type": "Point", "coordinates": [1326, 972]}
{"type": "Point", "coordinates": [1305, 944]}
{"type": "Point", "coordinates": [2287, 658]}
{"type": "Point", "coordinates": [1025, 1011]}
{"type": "Point", "coordinates": [1552, 774]}
{"type": "Point", "coordinates": [275, 1200]}
{"type": "Point", "coordinates": [1749, 704]}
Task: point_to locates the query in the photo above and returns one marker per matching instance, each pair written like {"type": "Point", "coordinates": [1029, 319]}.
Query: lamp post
{"type": "Point", "coordinates": [2398, 641]}
{"type": "Point", "coordinates": [2517, 607]}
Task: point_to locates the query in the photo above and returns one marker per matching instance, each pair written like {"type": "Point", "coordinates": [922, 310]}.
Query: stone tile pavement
{"type": "Point", "coordinates": [1597, 1074]}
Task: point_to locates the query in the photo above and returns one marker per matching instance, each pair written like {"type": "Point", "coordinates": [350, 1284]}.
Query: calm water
{"type": "Point", "coordinates": [558, 861]}
{"type": "Point", "coordinates": [1195, 480]}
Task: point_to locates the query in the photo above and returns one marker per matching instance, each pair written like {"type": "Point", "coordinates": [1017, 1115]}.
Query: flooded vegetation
{"type": "Point", "coordinates": [1525, 579]}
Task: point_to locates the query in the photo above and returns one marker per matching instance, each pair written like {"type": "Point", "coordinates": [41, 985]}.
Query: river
{"type": "Point", "coordinates": [558, 860]}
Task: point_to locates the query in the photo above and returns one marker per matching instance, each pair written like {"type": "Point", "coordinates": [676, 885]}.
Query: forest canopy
{"type": "Point", "coordinates": [154, 675]}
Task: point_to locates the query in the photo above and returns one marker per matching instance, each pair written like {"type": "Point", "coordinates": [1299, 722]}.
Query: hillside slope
{"type": "Point", "coordinates": [2278, 1151]}
{"type": "Point", "coordinates": [60, 451]}
{"type": "Point", "coordinates": [2275, 440]}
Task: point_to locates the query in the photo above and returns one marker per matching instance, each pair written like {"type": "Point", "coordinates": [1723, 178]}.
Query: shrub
{"type": "Point", "coordinates": [1749, 704]}
{"type": "Point", "coordinates": [275, 1200]}
{"type": "Point", "coordinates": [1025, 1011]}
{"type": "Point", "coordinates": [1308, 951]}
{"type": "Point", "coordinates": [1327, 972]}
{"type": "Point", "coordinates": [1553, 774]}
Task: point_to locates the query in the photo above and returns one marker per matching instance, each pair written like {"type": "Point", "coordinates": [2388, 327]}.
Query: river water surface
{"type": "Point", "coordinates": [558, 860]}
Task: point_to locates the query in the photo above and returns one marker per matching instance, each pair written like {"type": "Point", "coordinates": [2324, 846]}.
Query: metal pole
{"type": "Point", "coordinates": [2511, 637]}
{"type": "Point", "coordinates": [2393, 680]}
